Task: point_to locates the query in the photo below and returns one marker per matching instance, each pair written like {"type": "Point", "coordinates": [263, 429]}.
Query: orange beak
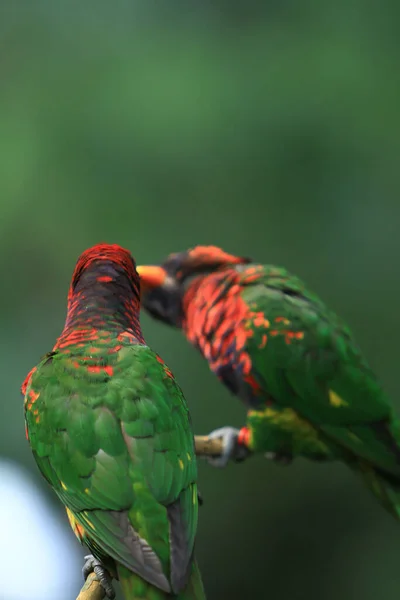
{"type": "Point", "coordinates": [150, 277]}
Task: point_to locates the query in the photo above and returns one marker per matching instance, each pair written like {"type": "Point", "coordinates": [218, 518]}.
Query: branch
{"type": "Point", "coordinates": [91, 589]}
{"type": "Point", "coordinates": [208, 447]}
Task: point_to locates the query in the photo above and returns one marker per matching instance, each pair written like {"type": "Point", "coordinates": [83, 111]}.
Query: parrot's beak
{"type": "Point", "coordinates": [151, 277]}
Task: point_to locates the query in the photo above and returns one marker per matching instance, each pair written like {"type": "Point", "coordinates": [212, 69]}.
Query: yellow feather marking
{"type": "Point", "coordinates": [282, 320]}
{"type": "Point", "coordinates": [300, 431]}
{"type": "Point", "coordinates": [76, 527]}
{"type": "Point", "coordinates": [64, 487]}
{"type": "Point", "coordinates": [181, 463]}
{"type": "Point", "coordinates": [267, 412]}
{"type": "Point", "coordinates": [287, 419]}
{"type": "Point", "coordinates": [188, 456]}
{"type": "Point", "coordinates": [71, 518]}
{"type": "Point", "coordinates": [138, 487]}
{"type": "Point", "coordinates": [87, 520]}
{"type": "Point", "coordinates": [87, 491]}
{"type": "Point", "coordinates": [336, 400]}
{"type": "Point", "coordinates": [194, 495]}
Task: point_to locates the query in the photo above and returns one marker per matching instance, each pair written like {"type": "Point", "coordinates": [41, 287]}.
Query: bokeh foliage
{"type": "Point", "coordinates": [269, 128]}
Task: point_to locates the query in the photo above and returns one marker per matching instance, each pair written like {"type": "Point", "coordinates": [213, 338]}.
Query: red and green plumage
{"type": "Point", "coordinates": [293, 362]}
{"type": "Point", "coordinates": [110, 431]}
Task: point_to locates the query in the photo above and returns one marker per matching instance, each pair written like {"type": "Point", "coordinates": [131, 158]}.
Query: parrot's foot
{"type": "Point", "coordinates": [281, 459]}
{"type": "Point", "coordinates": [103, 577]}
{"type": "Point", "coordinates": [232, 448]}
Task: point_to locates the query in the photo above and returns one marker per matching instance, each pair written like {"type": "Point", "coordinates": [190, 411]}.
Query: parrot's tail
{"type": "Point", "coordinates": [135, 588]}
{"type": "Point", "coordinates": [384, 486]}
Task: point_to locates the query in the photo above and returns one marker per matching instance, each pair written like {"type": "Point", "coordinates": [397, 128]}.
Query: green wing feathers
{"type": "Point", "coordinates": [120, 454]}
{"type": "Point", "coordinates": [384, 487]}
{"type": "Point", "coordinates": [322, 397]}
{"type": "Point", "coordinates": [136, 588]}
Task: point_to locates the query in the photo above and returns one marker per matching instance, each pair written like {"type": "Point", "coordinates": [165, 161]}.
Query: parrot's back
{"type": "Point", "coordinates": [276, 345]}
{"type": "Point", "coordinates": [110, 431]}
{"type": "Point", "coordinates": [306, 385]}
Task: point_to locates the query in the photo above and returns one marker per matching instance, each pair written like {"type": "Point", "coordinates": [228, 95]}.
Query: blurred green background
{"type": "Point", "coordinates": [268, 128]}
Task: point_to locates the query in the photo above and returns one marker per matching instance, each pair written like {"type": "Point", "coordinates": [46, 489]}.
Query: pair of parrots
{"type": "Point", "coordinates": [109, 426]}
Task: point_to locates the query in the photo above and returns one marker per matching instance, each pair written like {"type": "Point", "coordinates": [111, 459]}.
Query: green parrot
{"type": "Point", "coordinates": [110, 431]}
{"type": "Point", "coordinates": [307, 388]}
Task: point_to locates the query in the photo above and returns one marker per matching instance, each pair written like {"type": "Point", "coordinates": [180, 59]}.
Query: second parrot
{"type": "Point", "coordinates": [306, 385]}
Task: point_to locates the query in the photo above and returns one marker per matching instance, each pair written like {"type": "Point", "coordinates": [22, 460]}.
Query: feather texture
{"type": "Point", "coordinates": [293, 362]}
{"type": "Point", "coordinates": [110, 430]}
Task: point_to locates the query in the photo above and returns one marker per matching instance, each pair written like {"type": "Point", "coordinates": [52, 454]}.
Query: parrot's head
{"type": "Point", "coordinates": [163, 287]}
{"type": "Point", "coordinates": [107, 266]}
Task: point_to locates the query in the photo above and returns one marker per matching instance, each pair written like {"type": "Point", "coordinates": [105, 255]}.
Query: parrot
{"type": "Point", "coordinates": [110, 431]}
{"type": "Point", "coordinates": [308, 390]}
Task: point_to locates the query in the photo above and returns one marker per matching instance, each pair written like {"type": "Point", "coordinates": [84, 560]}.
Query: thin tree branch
{"type": "Point", "coordinates": [208, 447]}
{"type": "Point", "coordinates": [91, 589]}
